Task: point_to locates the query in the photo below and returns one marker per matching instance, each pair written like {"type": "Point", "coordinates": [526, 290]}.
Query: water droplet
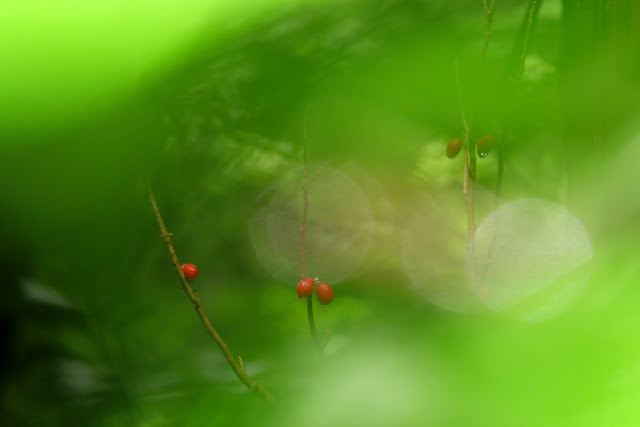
{"type": "Point", "coordinates": [482, 155]}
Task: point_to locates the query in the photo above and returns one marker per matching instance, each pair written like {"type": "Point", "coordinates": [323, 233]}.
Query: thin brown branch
{"type": "Point", "coordinates": [469, 177]}
{"type": "Point", "coordinates": [489, 9]}
{"type": "Point", "coordinates": [303, 230]}
{"type": "Point", "coordinates": [305, 207]}
{"type": "Point", "coordinates": [532, 14]}
{"type": "Point", "coordinates": [236, 365]}
{"type": "Point", "coordinates": [521, 50]}
{"type": "Point", "coordinates": [312, 326]}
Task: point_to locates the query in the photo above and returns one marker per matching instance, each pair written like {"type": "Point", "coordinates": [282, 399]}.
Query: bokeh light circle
{"type": "Point", "coordinates": [338, 232]}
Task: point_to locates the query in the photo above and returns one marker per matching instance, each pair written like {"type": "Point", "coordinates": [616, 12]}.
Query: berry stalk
{"type": "Point", "coordinates": [303, 228]}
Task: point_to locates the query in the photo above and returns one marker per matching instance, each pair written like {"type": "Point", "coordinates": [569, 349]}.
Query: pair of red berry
{"type": "Point", "coordinates": [323, 290]}
{"type": "Point", "coordinates": [485, 145]}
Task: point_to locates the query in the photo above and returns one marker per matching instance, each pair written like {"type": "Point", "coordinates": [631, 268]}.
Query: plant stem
{"type": "Point", "coordinates": [236, 365]}
{"type": "Point", "coordinates": [469, 149]}
{"type": "Point", "coordinates": [303, 224]}
{"type": "Point", "coordinates": [303, 229]}
{"type": "Point", "coordinates": [488, 10]}
{"type": "Point", "coordinates": [521, 50]}
{"type": "Point", "coordinates": [469, 171]}
{"type": "Point", "coordinates": [312, 322]}
{"type": "Point", "coordinates": [532, 14]}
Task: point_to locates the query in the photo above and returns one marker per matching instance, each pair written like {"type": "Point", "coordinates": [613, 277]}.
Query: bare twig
{"type": "Point", "coordinates": [236, 365]}
{"type": "Point", "coordinates": [305, 200]}
{"type": "Point", "coordinates": [469, 149]}
{"type": "Point", "coordinates": [532, 14]}
{"type": "Point", "coordinates": [312, 326]}
{"type": "Point", "coordinates": [496, 201]}
{"type": "Point", "coordinates": [520, 52]}
{"type": "Point", "coordinates": [303, 229]}
{"type": "Point", "coordinates": [469, 178]}
{"type": "Point", "coordinates": [488, 11]}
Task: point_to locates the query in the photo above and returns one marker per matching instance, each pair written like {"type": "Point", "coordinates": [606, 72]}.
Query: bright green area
{"type": "Point", "coordinates": [212, 101]}
{"type": "Point", "coordinates": [69, 60]}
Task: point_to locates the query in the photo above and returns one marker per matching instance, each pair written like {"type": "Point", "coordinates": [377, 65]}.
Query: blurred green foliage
{"type": "Point", "coordinates": [212, 101]}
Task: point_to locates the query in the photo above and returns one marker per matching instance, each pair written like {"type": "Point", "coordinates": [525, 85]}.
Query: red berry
{"type": "Point", "coordinates": [485, 145]}
{"type": "Point", "coordinates": [190, 271]}
{"type": "Point", "coordinates": [305, 287]}
{"type": "Point", "coordinates": [324, 293]}
{"type": "Point", "coordinates": [453, 148]}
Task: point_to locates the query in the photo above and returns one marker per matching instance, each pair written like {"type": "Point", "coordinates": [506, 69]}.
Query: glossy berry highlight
{"type": "Point", "coordinates": [485, 144]}
{"type": "Point", "coordinates": [190, 271]}
{"type": "Point", "coordinates": [324, 293]}
{"type": "Point", "coordinates": [305, 287]}
{"type": "Point", "coordinates": [453, 148]}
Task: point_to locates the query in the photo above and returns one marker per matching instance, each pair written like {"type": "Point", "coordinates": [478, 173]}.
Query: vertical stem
{"type": "Point", "coordinates": [312, 322]}
{"type": "Point", "coordinates": [303, 228]}
{"type": "Point", "coordinates": [530, 19]}
{"type": "Point", "coordinates": [469, 177]}
{"type": "Point", "coordinates": [488, 10]}
{"type": "Point", "coordinates": [305, 199]}
{"type": "Point", "coordinates": [471, 203]}
{"type": "Point", "coordinates": [303, 225]}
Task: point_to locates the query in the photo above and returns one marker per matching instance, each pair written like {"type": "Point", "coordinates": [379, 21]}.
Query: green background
{"type": "Point", "coordinates": [208, 99]}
